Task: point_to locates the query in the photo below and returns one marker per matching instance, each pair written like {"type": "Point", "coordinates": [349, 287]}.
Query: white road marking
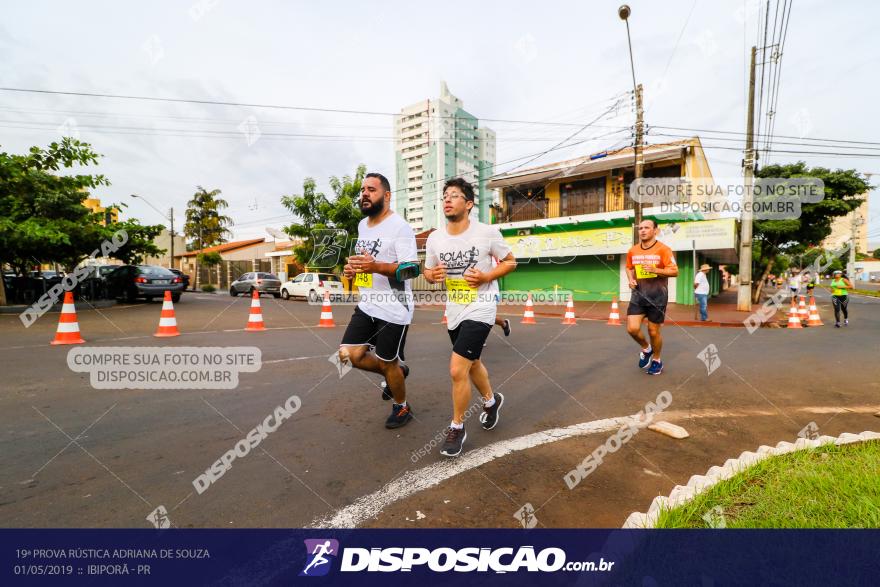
{"type": "Point", "coordinates": [294, 359]}
{"type": "Point", "coordinates": [412, 482]}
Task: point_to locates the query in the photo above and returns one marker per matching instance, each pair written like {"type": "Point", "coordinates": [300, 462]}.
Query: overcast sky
{"type": "Point", "coordinates": [552, 61]}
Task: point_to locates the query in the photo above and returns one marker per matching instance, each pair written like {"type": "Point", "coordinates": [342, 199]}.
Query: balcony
{"type": "Point", "coordinates": [519, 209]}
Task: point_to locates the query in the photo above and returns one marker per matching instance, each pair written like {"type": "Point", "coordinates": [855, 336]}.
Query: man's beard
{"type": "Point", "coordinates": [374, 209]}
{"type": "Point", "coordinates": [456, 217]}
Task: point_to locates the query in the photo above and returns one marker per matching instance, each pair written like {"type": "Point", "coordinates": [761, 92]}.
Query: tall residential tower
{"type": "Point", "coordinates": [435, 140]}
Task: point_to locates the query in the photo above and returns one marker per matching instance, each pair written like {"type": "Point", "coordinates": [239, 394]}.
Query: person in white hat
{"type": "Point", "coordinates": [701, 290]}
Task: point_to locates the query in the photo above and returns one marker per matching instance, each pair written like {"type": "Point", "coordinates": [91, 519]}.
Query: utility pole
{"type": "Point", "coordinates": [851, 265]}
{"type": "Point", "coordinates": [744, 294]}
{"type": "Point", "coordinates": [199, 250]}
{"type": "Point", "coordinates": [171, 219]}
{"type": "Point", "coordinates": [639, 163]}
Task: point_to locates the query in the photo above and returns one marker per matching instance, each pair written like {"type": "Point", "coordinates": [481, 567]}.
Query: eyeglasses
{"type": "Point", "coordinates": [452, 197]}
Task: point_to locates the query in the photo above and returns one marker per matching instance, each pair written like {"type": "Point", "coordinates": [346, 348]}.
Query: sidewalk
{"type": "Point", "coordinates": [722, 312]}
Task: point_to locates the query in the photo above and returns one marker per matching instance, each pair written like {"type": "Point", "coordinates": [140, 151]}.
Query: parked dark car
{"type": "Point", "coordinates": [181, 275]}
{"type": "Point", "coordinates": [256, 281]}
{"type": "Point", "coordinates": [49, 278]}
{"type": "Point", "coordinates": [143, 281]}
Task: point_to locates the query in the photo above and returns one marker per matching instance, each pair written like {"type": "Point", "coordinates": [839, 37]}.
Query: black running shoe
{"type": "Point", "coordinates": [489, 417]}
{"type": "Point", "coordinates": [455, 438]}
{"type": "Point", "coordinates": [506, 327]}
{"type": "Point", "coordinates": [400, 415]}
{"type": "Point", "coordinates": [386, 393]}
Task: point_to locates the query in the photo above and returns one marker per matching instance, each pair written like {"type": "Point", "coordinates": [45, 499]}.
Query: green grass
{"type": "Point", "coordinates": [864, 292]}
{"type": "Point", "coordinates": [828, 487]}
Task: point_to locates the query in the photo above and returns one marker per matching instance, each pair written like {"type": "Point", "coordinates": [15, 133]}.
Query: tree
{"type": "Point", "coordinates": [346, 213]}
{"type": "Point", "coordinates": [42, 216]}
{"type": "Point", "coordinates": [876, 253]}
{"type": "Point", "coordinates": [140, 240]}
{"type": "Point", "coordinates": [204, 222]}
{"type": "Point", "coordinates": [325, 226]}
{"type": "Point", "coordinates": [795, 236]}
{"type": "Point", "coordinates": [210, 260]}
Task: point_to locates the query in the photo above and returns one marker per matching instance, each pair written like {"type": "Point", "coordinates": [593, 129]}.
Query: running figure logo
{"type": "Point", "coordinates": [317, 553]}
{"type": "Point", "coordinates": [526, 516]}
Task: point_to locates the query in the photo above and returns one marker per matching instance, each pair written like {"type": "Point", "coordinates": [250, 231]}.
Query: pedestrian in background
{"type": "Point", "coordinates": [840, 297]}
{"type": "Point", "coordinates": [701, 291]}
{"type": "Point", "coordinates": [794, 284]}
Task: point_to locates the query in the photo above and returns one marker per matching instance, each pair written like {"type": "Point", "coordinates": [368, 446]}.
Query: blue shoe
{"type": "Point", "coordinates": [656, 368]}
{"type": "Point", "coordinates": [645, 358]}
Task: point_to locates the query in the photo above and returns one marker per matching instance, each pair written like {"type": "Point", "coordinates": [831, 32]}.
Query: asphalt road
{"type": "Point", "coordinates": [76, 456]}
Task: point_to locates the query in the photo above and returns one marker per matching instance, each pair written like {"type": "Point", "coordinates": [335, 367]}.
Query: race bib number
{"type": "Point", "coordinates": [642, 274]}
{"type": "Point", "coordinates": [459, 292]}
{"type": "Point", "coordinates": [364, 280]}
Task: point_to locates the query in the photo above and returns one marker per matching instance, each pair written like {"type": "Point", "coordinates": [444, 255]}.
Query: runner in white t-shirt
{"type": "Point", "coordinates": [385, 310]}
{"type": "Point", "coordinates": [460, 255]}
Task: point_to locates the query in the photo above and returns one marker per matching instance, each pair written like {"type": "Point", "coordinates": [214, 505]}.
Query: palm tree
{"type": "Point", "coordinates": [204, 222]}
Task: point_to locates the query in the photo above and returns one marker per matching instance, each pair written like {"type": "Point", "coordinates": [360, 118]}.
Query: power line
{"type": "Point", "coordinates": [211, 133]}
{"type": "Point", "coordinates": [799, 144]}
{"type": "Point", "coordinates": [476, 172]}
{"type": "Point", "coordinates": [742, 134]}
{"type": "Point", "coordinates": [205, 102]}
{"type": "Point", "coordinates": [786, 20]}
{"type": "Point", "coordinates": [568, 138]}
{"type": "Point", "coordinates": [828, 153]}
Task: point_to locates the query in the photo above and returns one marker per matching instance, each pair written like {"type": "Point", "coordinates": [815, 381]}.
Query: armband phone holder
{"type": "Point", "coordinates": [407, 270]}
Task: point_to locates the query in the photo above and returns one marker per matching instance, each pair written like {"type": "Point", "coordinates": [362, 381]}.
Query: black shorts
{"type": "Point", "coordinates": [386, 337]}
{"type": "Point", "coordinates": [653, 309]}
{"type": "Point", "coordinates": [468, 338]}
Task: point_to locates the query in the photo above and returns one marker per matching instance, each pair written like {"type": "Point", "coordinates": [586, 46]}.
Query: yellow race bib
{"type": "Point", "coordinates": [364, 280]}
{"type": "Point", "coordinates": [642, 274]}
{"type": "Point", "coordinates": [459, 292]}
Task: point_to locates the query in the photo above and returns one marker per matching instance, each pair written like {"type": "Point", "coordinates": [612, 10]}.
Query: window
{"type": "Point", "coordinates": [328, 277]}
{"type": "Point", "coordinates": [309, 278]}
{"type": "Point", "coordinates": [299, 278]}
{"type": "Point", "coordinates": [583, 197]}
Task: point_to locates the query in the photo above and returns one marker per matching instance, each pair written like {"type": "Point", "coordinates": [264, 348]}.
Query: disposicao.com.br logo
{"type": "Point", "coordinates": [444, 559]}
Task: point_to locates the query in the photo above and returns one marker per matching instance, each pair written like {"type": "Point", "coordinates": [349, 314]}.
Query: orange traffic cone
{"type": "Point", "coordinates": [529, 314]}
{"type": "Point", "coordinates": [794, 320]}
{"type": "Point", "coordinates": [255, 318]}
{"type": "Point", "coordinates": [326, 320]}
{"type": "Point", "coordinates": [802, 310]}
{"type": "Point", "coordinates": [68, 327]}
{"type": "Point", "coordinates": [445, 318]}
{"type": "Point", "coordinates": [814, 319]}
{"type": "Point", "coordinates": [569, 312]}
{"type": "Point", "coordinates": [167, 321]}
{"type": "Point", "coordinates": [614, 316]}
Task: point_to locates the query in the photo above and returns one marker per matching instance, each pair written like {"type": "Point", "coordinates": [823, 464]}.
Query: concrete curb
{"type": "Point", "coordinates": [697, 484]}
{"type": "Point", "coordinates": [56, 309]}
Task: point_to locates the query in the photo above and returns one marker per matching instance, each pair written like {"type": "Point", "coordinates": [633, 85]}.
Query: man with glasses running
{"type": "Point", "coordinates": [460, 255]}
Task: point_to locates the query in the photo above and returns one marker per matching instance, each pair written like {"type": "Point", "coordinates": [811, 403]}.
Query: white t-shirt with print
{"type": "Point", "coordinates": [475, 247]}
{"type": "Point", "coordinates": [390, 241]}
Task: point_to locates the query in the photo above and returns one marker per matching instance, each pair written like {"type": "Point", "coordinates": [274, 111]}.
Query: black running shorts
{"type": "Point", "coordinates": [653, 309]}
{"type": "Point", "coordinates": [386, 337]}
{"type": "Point", "coordinates": [468, 338]}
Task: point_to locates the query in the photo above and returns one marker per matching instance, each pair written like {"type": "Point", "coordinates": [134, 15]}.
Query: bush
{"type": "Point", "coordinates": [208, 288]}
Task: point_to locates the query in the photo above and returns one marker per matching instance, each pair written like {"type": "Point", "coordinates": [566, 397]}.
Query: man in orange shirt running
{"type": "Point", "coordinates": [648, 266]}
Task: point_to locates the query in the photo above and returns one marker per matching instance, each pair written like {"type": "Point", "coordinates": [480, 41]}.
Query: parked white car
{"type": "Point", "coordinates": [312, 286]}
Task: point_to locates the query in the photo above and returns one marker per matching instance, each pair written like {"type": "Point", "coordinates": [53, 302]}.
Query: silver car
{"type": "Point", "coordinates": [256, 281]}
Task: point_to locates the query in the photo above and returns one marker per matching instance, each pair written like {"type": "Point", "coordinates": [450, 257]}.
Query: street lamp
{"type": "Point", "coordinates": [169, 218]}
{"type": "Point", "coordinates": [623, 12]}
